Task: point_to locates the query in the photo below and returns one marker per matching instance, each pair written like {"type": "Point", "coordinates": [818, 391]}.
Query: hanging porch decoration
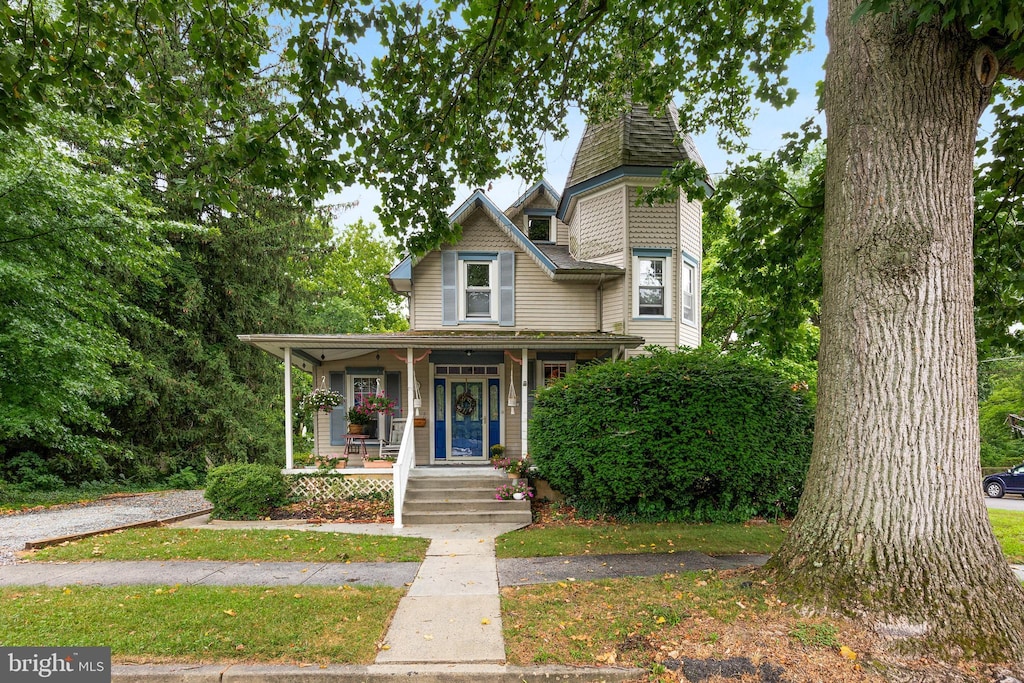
{"type": "Point", "coordinates": [321, 399]}
{"type": "Point", "coordinates": [513, 400]}
{"type": "Point", "coordinates": [465, 404]}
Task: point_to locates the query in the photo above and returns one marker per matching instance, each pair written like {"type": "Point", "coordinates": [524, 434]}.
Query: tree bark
{"type": "Point", "coordinates": [892, 525]}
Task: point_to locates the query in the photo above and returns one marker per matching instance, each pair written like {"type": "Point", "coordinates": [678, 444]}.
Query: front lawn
{"type": "Point", "coordinates": [1008, 526]}
{"type": "Point", "coordinates": [16, 500]}
{"type": "Point", "coordinates": [203, 623]}
{"type": "Point", "coordinates": [237, 545]}
{"type": "Point", "coordinates": [610, 538]}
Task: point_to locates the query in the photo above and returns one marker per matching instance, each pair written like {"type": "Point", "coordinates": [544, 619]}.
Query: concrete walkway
{"type": "Point", "coordinates": [452, 612]}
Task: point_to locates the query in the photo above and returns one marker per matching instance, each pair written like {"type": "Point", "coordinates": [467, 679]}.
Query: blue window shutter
{"type": "Point", "coordinates": [393, 390]}
{"type": "Point", "coordinates": [507, 280]}
{"type": "Point", "coordinates": [339, 415]}
{"type": "Point", "coordinates": [449, 288]}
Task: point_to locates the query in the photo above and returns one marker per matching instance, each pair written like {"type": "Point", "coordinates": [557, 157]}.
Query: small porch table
{"type": "Point", "coordinates": [355, 444]}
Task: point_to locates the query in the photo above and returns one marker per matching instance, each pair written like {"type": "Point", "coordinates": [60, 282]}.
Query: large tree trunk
{"type": "Point", "coordinates": [892, 525]}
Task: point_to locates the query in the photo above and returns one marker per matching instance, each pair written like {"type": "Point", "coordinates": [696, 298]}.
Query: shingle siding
{"type": "Point", "coordinates": [652, 226]}
{"type": "Point", "coordinates": [597, 228]}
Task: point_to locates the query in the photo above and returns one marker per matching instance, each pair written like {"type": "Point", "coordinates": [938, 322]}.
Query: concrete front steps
{"type": "Point", "coordinates": [460, 496]}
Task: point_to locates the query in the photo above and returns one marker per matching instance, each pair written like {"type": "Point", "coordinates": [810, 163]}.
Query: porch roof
{"type": "Point", "coordinates": [317, 348]}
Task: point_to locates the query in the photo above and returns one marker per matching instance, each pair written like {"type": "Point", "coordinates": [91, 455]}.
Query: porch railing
{"type": "Point", "coordinates": [403, 465]}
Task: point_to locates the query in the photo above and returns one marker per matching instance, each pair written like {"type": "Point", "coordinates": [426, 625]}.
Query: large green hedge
{"type": "Point", "coordinates": [689, 435]}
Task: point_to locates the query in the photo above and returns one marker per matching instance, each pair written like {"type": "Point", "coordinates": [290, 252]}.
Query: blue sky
{"type": "Point", "coordinates": [766, 130]}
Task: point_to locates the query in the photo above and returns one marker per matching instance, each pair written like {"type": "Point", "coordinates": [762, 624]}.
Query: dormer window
{"type": "Point", "coordinates": [540, 228]}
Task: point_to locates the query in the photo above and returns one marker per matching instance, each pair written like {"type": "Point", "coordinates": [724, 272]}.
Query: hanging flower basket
{"type": "Point", "coordinates": [323, 400]}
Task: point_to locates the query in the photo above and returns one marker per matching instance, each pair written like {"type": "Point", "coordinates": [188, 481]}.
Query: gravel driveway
{"type": "Point", "coordinates": [19, 528]}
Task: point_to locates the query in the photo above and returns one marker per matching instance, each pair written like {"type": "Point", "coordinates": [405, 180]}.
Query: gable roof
{"type": "Point", "coordinates": [557, 265]}
{"type": "Point", "coordinates": [541, 186]}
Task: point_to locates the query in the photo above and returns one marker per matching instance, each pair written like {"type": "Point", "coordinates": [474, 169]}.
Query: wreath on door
{"type": "Point", "coordinates": [465, 404]}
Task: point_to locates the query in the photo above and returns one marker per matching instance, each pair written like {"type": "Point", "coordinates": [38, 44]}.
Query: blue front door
{"type": "Point", "coordinates": [467, 413]}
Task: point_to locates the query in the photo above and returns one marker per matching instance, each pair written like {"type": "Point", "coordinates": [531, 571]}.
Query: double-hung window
{"type": "Point", "coordinates": [478, 289]}
{"type": "Point", "coordinates": [652, 281]}
{"type": "Point", "coordinates": [687, 292]}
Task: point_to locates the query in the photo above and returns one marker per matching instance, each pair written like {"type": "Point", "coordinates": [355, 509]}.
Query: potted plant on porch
{"type": "Point", "coordinates": [517, 490]}
{"type": "Point", "coordinates": [359, 416]}
{"type": "Point", "coordinates": [364, 412]}
{"type": "Point", "coordinates": [375, 460]}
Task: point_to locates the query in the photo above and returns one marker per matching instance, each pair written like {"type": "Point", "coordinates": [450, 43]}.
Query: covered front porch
{"type": "Point", "coordinates": [460, 393]}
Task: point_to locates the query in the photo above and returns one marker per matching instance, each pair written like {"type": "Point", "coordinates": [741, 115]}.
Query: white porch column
{"type": "Point", "coordinates": [289, 453]}
{"type": "Point", "coordinates": [410, 371]}
{"type": "Point", "coordinates": [524, 392]}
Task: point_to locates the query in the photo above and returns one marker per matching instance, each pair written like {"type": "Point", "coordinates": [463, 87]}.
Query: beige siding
{"type": "Point", "coordinates": [426, 298]}
{"type": "Point", "coordinates": [597, 227]}
{"type": "Point", "coordinates": [561, 233]}
{"type": "Point", "coordinates": [690, 237]}
{"type": "Point", "coordinates": [660, 332]}
{"type": "Point", "coordinates": [422, 435]}
{"type": "Point", "coordinates": [614, 314]}
{"type": "Point", "coordinates": [542, 304]}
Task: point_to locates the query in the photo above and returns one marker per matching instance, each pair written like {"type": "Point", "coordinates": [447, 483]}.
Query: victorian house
{"type": "Point", "coordinates": [529, 292]}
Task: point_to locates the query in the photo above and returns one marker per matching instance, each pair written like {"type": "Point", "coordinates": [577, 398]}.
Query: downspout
{"type": "Point", "coordinates": [289, 452]}
{"type": "Point", "coordinates": [600, 303]}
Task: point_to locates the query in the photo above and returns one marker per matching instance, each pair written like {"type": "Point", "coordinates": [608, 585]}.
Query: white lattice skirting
{"type": "Point", "coordinates": [318, 487]}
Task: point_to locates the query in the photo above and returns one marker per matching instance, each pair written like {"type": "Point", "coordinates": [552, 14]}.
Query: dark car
{"type": "Point", "coordinates": [1010, 481]}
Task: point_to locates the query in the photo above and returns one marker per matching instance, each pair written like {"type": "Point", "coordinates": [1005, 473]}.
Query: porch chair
{"type": "Point", "coordinates": [393, 444]}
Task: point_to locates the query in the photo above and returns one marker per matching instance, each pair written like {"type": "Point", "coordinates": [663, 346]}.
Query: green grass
{"type": "Point", "coordinates": [601, 539]}
{"type": "Point", "coordinates": [1009, 529]}
{"type": "Point", "coordinates": [235, 545]}
{"type": "Point", "coordinates": [581, 623]}
{"type": "Point", "coordinates": [13, 500]}
{"type": "Point", "coordinates": [203, 623]}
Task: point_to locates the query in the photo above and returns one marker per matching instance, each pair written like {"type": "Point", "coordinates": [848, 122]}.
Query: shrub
{"type": "Point", "coordinates": [245, 490]}
{"type": "Point", "coordinates": [186, 478]}
{"type": "Point", "coordinates": [690, 435]}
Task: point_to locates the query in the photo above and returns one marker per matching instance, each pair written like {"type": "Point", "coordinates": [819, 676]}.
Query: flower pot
{"type": "Point", "coordinates": [512, 475]}
{"type": "Point", "coordinates": [340, 464]}
{"type": "Point", "coordinates": [518, 496]}
{"type": "Point", "coordinates": [378, 464]}
{"type": "Point", "coordinates": [419, 422]}
{"type": "Point", "coordinates": [355, 429]}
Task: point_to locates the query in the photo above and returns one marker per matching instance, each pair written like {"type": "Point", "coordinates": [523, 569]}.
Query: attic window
{"type": "Point", "coordinates": [539, 228]}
